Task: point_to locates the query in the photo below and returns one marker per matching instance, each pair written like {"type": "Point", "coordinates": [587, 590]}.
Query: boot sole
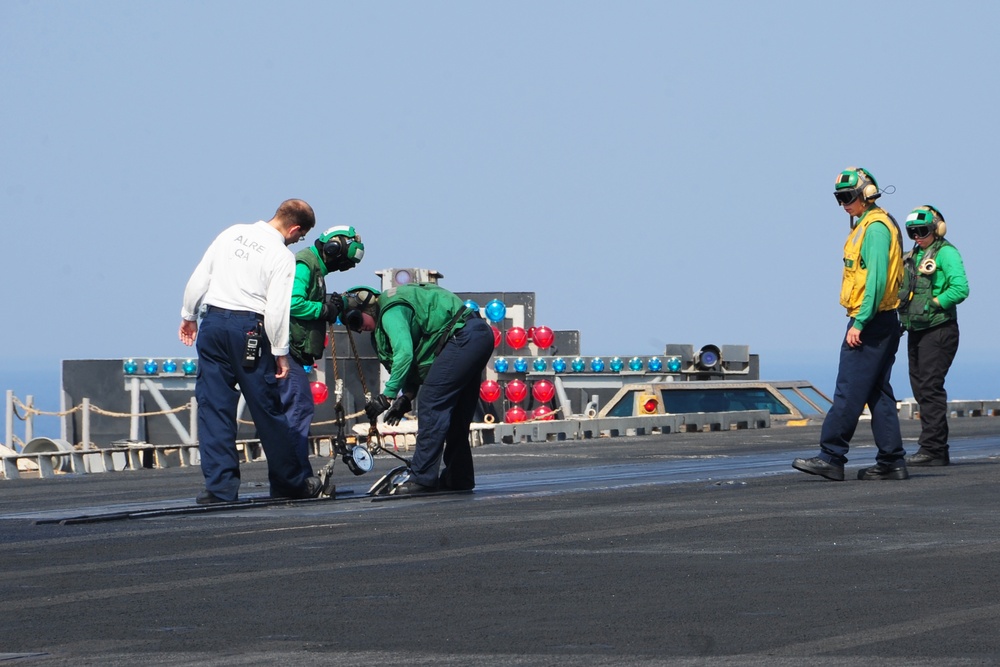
{"type": "Point", "coordinates": [895, 474]}
{"type": "Point", "coordinates": [834, 477]}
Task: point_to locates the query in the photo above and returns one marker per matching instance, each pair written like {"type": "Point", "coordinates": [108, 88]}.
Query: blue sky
{"type": "Point", "coordinates": [657, 172]}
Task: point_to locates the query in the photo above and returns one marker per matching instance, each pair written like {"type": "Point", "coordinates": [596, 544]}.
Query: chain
{"type": "Point", "coordinates": [357, 360]}
{"type": "Point", "coordinates": [340, 419]}
{"type": "Point", "coordinates": [374, 437]}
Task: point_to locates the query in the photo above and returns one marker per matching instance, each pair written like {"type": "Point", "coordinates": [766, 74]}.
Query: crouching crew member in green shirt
{"type": "Point", "coordinates": [934, 283]}
{"type": "Point", "coordinates": [428, 340]}
{"type": "Point", "coordinates": [312, 311]}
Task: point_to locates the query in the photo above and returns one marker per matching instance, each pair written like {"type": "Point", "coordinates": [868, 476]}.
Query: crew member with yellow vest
{"type": "Point", "coordinates": [873, 273]}
{"type": "Point", "coordinates": [934, 284]}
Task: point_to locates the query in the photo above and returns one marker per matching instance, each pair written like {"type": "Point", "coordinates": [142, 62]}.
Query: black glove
{"type": "Point", "coordinates": [398, 408]}
{"type": "Point", "coordinates": [376, 406]}
{"type": "Point", "coordinates": [333, 306]}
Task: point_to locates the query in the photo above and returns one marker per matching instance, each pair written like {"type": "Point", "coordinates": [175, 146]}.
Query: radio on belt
{"type": "Point", "coordinates": [252, 351]}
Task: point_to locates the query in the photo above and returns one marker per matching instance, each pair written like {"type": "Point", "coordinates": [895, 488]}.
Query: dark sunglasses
{"type": "Point", "coordinates": [845, 197]}
{"type": "Point", "coordinates": [918, 232]}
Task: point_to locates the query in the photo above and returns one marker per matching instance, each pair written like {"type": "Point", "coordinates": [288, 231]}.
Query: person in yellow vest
{"type": "Point", "coordinates": [872, 275]}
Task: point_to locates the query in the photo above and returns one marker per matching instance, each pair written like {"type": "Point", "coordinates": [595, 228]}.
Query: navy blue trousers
{"type": "Point", "coordinates": [448, 399]}
{"type": "Point", "coordinates": [930, 353]}
{"type": "Point", "coordinates": [863, 378]}
{"type": "Point", "coordinates": [297, 402]}
{"type": "Point", "coordinates": [221, 343]}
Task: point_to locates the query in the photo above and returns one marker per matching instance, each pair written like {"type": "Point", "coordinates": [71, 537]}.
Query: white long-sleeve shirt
{"type": "Point", "coordinates": [247, 267]}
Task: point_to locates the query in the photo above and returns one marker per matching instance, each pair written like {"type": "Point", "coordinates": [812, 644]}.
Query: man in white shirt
{"type": "Point", "coordinates": [244, 282]}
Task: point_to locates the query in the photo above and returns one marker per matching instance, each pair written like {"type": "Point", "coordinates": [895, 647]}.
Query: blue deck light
{"type": "Point", "coordinates": [495, 310]}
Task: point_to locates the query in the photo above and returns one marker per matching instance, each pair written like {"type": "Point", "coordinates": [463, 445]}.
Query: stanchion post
{"type": "Point", "coordinates": [133, 429]}
{"type": "Point", "coordinates": [85, 423]}
{"type": "Point", "coordinates": [194, 421]}
{"type": "Point", "coordinates": [9, 429]}
{"type": "Point", "coordinates": [29, 419]}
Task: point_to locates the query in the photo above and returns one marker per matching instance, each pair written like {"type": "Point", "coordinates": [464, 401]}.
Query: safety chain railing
{"type": "Point", "coordinates": [327, 422]}
{"type": "Point", "coordinates": [31, 411]}
{"type": "Point", "coordinates": [26, 412]}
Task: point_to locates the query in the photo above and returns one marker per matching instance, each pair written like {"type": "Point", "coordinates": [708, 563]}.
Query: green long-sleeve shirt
{"type": "Point", "coordinates": [302, 307]}
{"type": "Point", "coordinates": [413, 320]}
{"type": "Point", "coordinates": [401, 327]}
{"type": "Point", "coordinates": [875, 258]}
{"type": "Point", "coordinates": [951, 285]}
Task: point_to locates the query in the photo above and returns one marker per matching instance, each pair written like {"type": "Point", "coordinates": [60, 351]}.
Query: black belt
{"type": "Point", "coordinates": [464, 315]}
{"type": "Point", "coordinates": [226, 311]}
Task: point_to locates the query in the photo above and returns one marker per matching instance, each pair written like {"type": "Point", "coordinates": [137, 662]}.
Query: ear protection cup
{"type": "Point", "coordinates": [358, 300]}
{"type": "Point", "coordinates": [334, 248]}
{"type": "Point", "coordinates": [940, 227]}
{"type": "Point", "coordinates": [870, 191]}
{"type": "Point", "coordinates": [936, 221]}
{"type": "Point", "coordinates": [857, 180]}
{"type": "Point", "coordinates": [341, 247]}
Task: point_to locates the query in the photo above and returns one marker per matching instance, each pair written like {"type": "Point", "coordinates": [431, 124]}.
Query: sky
{"type": "Point", "coordinates": [656, 172]}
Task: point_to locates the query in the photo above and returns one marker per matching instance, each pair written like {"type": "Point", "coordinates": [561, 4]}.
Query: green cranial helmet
{"type": "Point", "coordinates": [358, 300]}
{"type": "Point", "coordinates": [925, 220]}
{"type": "Point", "coordinates": [361, 298]}
{"type": "Point", "coordinates": [341, 248]}
{"type": "Point", "coordinates": [854, 183]}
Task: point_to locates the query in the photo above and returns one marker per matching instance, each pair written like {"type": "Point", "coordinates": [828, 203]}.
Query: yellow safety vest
{"type": "Point", "coordinates": [852, 290]}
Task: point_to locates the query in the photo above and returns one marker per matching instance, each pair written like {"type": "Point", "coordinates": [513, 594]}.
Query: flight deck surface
{"type": "Point", "coordinates": [683, 549]}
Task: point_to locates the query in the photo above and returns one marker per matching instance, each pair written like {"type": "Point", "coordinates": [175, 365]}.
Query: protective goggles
{"type": "Point", "coordinates": [353, 320]}
{"type": "Point", "coordinates": [918, 231]}
{"type": "Point", "coordinates": [845, 197]}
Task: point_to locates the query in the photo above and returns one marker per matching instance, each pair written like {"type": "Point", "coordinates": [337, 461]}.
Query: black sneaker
{"type": "Point", "coordinates": [885, 471]}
